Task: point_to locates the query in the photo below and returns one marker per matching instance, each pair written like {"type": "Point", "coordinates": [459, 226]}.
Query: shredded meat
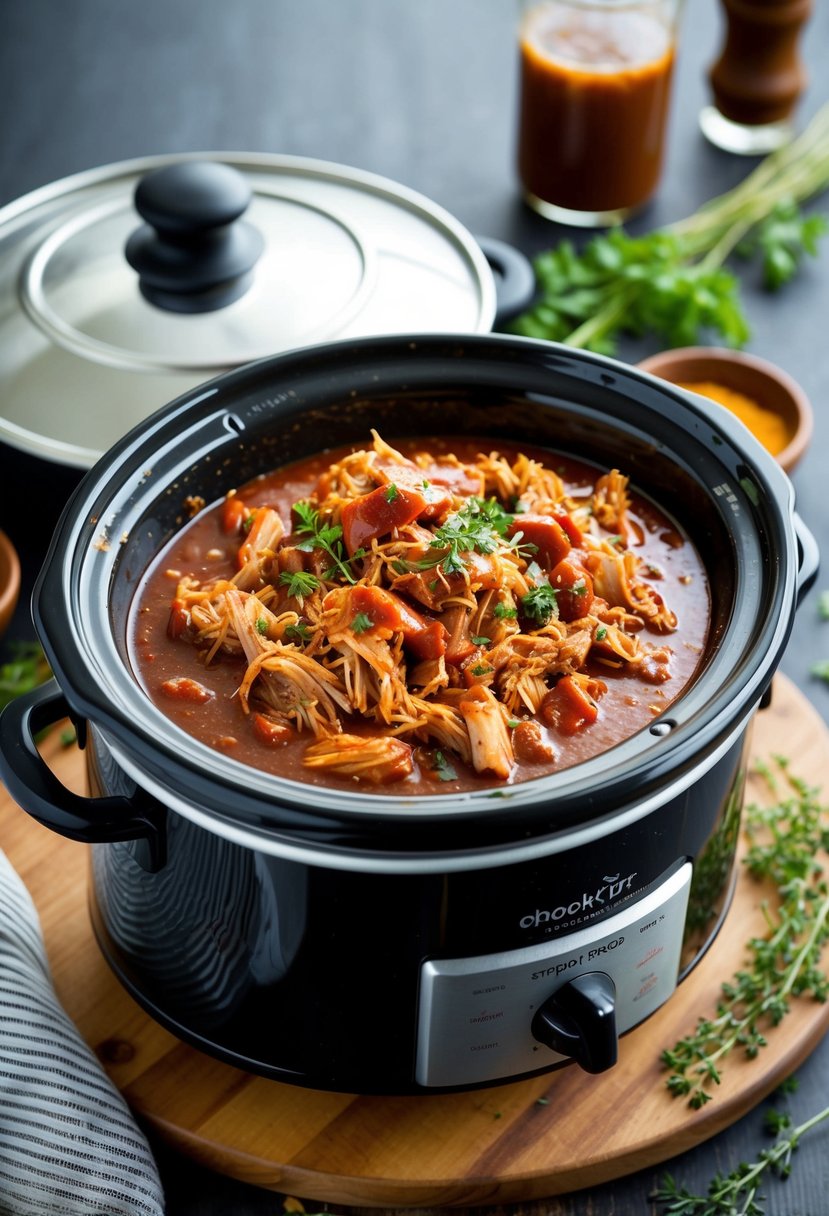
{"type": "Point", "coordinates": [439, 604]}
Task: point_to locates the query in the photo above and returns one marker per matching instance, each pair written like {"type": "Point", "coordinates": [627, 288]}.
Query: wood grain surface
{"type": "Point", "coordinates": [495, 1145]}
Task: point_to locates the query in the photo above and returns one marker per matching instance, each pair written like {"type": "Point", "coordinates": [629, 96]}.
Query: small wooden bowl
{"type": "Point", "coordinates": [763, 382]}
{"type": "Point", "coordinates": [9, 581]}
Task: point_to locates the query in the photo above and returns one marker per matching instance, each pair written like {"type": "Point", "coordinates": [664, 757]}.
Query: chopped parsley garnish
{"type": "Point", "coordinates": [247, 523]}
{"type": "Point", "coordinates": [298, 633]}
{"type": "Point", "coordinates": [480, 526]}
{"type": "Point", "coordinates": [579, 588]}
{"type": "Point", "coordinates": [299, 582]}
{"type": "Point", "coordinates": [261, 625]}
{"type": "Point", "coordinates": [482, 670]}
{"type": "Point", "coordinates": [480, 640]}
{"type": "Point", "coordinates": [513, 722]}
{"type": "Point", "coordinates": [390, 493]}
{"type": "Point", "coordinates": [443, 768]}
{"type": "Point", "coordinates": [329, 539]}
{"type": "Point", "coordinates": [503, 612]}
{"type": "Point", "coordinates": [601, 633]}
{"type": "Point", "coordinates": [361, 623]}
{"type": "Point", "coordinates": [539, 604]}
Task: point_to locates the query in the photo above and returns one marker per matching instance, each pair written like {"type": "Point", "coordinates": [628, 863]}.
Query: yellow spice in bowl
{"type": "Point", "coordinates": [767, 426]}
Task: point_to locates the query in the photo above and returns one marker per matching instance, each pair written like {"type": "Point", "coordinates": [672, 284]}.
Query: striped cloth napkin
{"type": "Point", "coordinates": [68, 1143]}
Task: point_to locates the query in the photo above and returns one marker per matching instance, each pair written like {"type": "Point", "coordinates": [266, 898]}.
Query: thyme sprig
{"type": "Point", "coordinates": [737, 1193]}
{"type": "Point", "coordinates": [786, 841]}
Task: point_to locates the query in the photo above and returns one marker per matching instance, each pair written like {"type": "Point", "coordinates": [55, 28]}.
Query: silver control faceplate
{"type": "Point", "coordinates": [475, 1013]}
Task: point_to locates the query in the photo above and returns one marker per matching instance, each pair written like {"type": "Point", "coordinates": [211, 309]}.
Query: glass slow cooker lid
{"type": "Point", "coordinates": [298, 251]}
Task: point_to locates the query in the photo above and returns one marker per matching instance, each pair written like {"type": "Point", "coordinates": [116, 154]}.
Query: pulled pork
{"type": "Point", "coordinates": [433, 605]}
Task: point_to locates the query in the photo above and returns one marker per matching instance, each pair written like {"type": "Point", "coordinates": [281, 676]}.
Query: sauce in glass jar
{"type": "Point", "coordinates": [595, 89]}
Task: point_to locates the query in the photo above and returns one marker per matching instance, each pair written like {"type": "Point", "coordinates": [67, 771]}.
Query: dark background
{"type": "Point", "coordinates": [423, 92]}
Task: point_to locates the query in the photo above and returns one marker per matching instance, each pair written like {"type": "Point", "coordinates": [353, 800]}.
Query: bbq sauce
{"type": "Point", "coordinates": [593, 108]}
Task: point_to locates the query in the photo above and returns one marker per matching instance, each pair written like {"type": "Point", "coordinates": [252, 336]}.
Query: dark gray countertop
{"type": "Point", "coordinates": [424, 94]}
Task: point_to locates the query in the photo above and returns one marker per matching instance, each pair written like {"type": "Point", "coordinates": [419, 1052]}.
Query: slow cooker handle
{"type": "Point", "coordinates": [809, 558]}
{"type": "Point", "coordinates": [35, 788]}
{"type": "Point", "coordinates": [515, 285]}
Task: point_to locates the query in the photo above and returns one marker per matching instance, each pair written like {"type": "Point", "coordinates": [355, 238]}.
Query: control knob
{"type": "Point", "coordinates": [579, 1020]}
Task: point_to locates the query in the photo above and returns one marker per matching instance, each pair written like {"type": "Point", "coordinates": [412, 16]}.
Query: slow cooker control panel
{"type": "Point", "coordinates": [479, 1019]}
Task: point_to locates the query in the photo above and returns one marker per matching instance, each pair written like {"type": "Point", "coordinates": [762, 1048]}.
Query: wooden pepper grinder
{"type": "Point", "coordinates": [758, 77]}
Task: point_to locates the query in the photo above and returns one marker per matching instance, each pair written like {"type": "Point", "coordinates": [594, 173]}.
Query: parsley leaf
{"type": "Point", "coordinates": [782, 239]}
{"type": "Point", "coordinates": [361, 623]}
{"type": "Point", "coordinates": [479, 526]}
{"type": "Point", "coordinates": [299, 583]}
{"type": "Point", "coordinates": [539, 604]}
{"type": "Point", "coordinates": [329, 539]}
{"type": "Point", "coordinates": [443, 768]}
{"type": "Point", "coordinates": [298, 633]}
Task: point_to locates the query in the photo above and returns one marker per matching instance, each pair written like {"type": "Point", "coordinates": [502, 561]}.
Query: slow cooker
{"type": "Point", "coordinates": [397, 945]}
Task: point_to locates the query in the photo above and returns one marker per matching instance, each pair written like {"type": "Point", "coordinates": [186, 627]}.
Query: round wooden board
{"type": "Point", "coordinates": [494, 1145]}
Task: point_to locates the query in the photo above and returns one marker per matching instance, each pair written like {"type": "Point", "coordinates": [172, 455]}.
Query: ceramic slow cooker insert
{"type": "Point", "coordinates": [386, 944]}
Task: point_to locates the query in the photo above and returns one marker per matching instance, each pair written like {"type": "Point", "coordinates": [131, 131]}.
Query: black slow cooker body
{"type": "Point", "coordinates": [312, 975]}
{"type": "Point", "coordinates": [399, 944]}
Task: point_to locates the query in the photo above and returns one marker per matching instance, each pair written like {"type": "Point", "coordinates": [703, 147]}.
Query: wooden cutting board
{"type": "Point", "coordinates": [509, 1143]}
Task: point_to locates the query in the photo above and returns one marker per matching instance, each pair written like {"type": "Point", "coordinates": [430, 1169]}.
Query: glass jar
{"type": "Point", "coordinates": [595, 91]}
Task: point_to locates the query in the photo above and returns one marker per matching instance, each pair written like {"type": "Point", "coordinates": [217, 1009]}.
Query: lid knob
{"type": "Point", "coordinates": [193, 254]}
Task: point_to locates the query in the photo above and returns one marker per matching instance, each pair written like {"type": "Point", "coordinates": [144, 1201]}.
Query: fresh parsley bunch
{"type": "Point", "coordinates": [639, 284]}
